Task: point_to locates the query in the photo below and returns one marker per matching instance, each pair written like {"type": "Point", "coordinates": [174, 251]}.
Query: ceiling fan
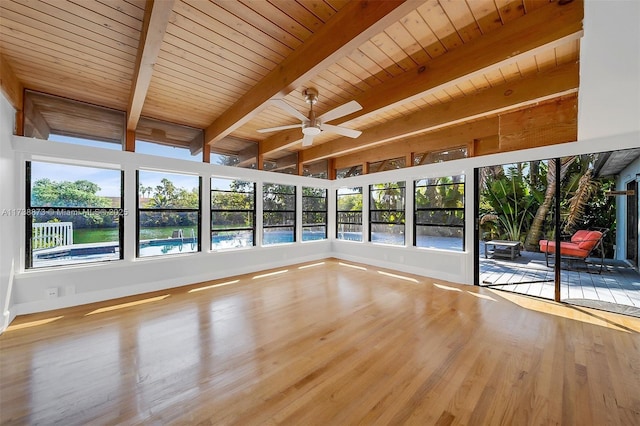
{"type": "Point", "coordinates": [312, 125]}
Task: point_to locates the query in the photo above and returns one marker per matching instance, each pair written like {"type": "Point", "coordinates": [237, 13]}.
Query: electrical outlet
{"type": "Point", "coordinates": [52, 292]}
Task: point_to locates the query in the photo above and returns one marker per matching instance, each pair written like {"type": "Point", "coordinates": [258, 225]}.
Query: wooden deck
{"type": "Point", "coordinates": [616, 289]}
{"type": "Point", "coordinates": [326, 343]}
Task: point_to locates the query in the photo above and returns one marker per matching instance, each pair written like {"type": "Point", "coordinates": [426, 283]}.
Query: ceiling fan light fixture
{"type": "Point", "coordinates": [312, 126]}
{"type": "Point", "coordinates": [310, 130]}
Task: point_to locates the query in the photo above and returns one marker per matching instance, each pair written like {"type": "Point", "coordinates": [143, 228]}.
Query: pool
{"type": "Point", "coordinates": [168, 246]}
{"type": "Point", "coordinates": [75, 254]}
{"type": "Point", "coordinates": [106, 251]}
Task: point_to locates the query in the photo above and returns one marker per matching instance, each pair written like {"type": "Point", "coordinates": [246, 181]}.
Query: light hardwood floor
{"type": "Point", "coordinates": [324, 343]}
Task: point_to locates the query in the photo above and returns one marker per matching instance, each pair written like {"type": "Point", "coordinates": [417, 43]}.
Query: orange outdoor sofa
{"type": "Point", "coordinates": [582, 244]}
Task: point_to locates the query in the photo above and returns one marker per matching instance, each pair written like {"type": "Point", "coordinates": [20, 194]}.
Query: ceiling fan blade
{"type": "Point", "coordinates": [340, 111]}
{"type": "Point", "coordinates": [307, 140]}
{"type": "Point", "coordinates": [277, 128]}
{"type": "Point", "coordinates": [288, 108]}
{"type": "Point", "coordinates": [341, 130]}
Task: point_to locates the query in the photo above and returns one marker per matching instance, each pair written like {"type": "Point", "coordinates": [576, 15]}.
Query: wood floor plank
{"type": "Point", "coordinates": [322, 345]}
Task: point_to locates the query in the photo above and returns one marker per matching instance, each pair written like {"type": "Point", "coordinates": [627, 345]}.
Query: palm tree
{"type": "Point", "coordinates": [587, 187]}
{"type": "Point", "coordinates": [535, 231]}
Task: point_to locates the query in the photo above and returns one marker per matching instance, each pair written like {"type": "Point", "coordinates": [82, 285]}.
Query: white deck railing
{"type": "Point", "coordinates": [51, 234]}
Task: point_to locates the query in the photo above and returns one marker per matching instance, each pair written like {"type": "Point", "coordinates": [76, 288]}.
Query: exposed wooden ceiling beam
{"type": "Point", "coordinates": [515, 94]}
{"type": "Point", "coordinates": [354, 24]}
{"type": "Point", "coordinates": [440, 139]}
{"type": "Point", "coordinates": [11, 85]}
{"type": "Point", "coordinates": [543, 29]}
{"type": "Point", "coordinates": [154, 26]}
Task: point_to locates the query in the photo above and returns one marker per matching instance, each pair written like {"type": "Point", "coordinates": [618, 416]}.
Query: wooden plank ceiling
{"type": "Point", "coordinates": [214, 65]}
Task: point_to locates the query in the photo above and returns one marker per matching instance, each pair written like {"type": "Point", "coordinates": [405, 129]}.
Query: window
{"type": "Point", "coordinates": [278, 214]}
{"type": "Point", "coordinates": [168, 213]}
{"type": "Point", "coordinates": [156, 137]}
{"type": "Point", "coordinates": [385, 165]}
{"type": "Point", "coordinates": [73, 213]}
{"type": "Point", "coordinates": [349, 172]}
{"type": "Point", "coordinates": [62, 120]}
{"type": "Point", "coordinates": [314, 214]}
{"type": "Point", "coordinates": [349, 214]}
{"type": "Point", "coordinates": [233, 213]}
{"type": "Point", "coordinates": [224, 159]}
{"type": "Point", "coordinates": [386, 213]}
{"type": "Point", "coordinates": [439, 213]}
{"type": "Point", "coordinates": [318, 169]}
{"type": "Point", "coordinates": [287, 164]}
{"type": "Point", "coordinates": [439, 156]}
{"type": "Point", "coordinates": [178, 152]}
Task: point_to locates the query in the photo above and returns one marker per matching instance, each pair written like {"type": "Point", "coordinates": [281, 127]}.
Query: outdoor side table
{"type": "Point", "coordinates": [502, 248]}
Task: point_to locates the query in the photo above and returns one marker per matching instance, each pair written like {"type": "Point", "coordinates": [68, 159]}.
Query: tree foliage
{"type": "Point", "coordinates": [517, 200]}
{"type": "Point", "coordinates": [58, 195]}
{"type": "Point", "coordinates": [81, 193]}
{"type": "Point", "coordinates": [167, 195]}
{"type": "Point", "coordinates": [509, 197]}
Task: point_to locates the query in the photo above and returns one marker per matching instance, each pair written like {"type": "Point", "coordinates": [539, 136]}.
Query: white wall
{"type": "Point", "coordinates": [609, 95]}
{"type": "Point", "coordinates": [9, 218]}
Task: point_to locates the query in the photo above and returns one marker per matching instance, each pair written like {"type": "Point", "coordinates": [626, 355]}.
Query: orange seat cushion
{"type": "Point", "coordinates": [590, 240]}
{"type": "Point", "coordinates": [582, 242]}
{"type": "Point", "coordinates": [579, 236]}
{"type": "Point", "coordinates": [566, 249]}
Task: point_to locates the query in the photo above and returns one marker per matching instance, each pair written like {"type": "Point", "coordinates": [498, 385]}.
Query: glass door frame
{"type": "Point", "coordinates": [556, 219]}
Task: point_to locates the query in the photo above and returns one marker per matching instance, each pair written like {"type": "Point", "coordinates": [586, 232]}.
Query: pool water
{"type": "Point", "coordinates": [168, 246]}
{"type": "Point", "coordinates": [83, 253]}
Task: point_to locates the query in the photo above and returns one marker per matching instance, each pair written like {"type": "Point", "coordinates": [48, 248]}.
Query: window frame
{"type": "Point", "coordinates": [417, 209]}
{"type": "Point", "coordinates": [197, 210]}
{"type": "Point", "coordinates": [252, 211]}
{"type": "Point", "coordinates": [31, 211]}
{"type": "Point", "coordinates": [294, 212]}
{"type": "Point", "coordinates": [325, 212]}
{"type": "Point", "coordinates": [401, 222]}
{"type": "Point", "coordinates": [338, 211]}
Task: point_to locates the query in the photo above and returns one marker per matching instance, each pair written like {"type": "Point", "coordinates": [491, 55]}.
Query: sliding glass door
{"type": "Point", "coordinates": [563, 229]}
{"type": "Point", "coordinates": [516, 210]}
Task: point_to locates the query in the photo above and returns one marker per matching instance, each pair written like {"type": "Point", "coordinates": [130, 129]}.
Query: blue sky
{"type": "Point", "coordinates": [141, 147]}
{"type": "Point", "coordinates": [109, 180]}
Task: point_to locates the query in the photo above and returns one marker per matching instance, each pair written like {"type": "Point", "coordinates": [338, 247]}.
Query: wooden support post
{"type": "Point", "coordinates": [259, 161]}
{"type": "Point", "coordinates": [19, 130]}
{"type": "Point", "coordinates": [471, 148]}
{"type": "Point", "coordinates": [130, 141]}
{"type": "Point", "coordinates": [206, 153]}
{"type": "Point", "coordinates": [331, 169]}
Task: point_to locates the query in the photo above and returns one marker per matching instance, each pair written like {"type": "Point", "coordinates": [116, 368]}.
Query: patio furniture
{"type": "Point", "coordinates": [502, 248]}
{"type": "Point", "coordinates": [581, 246]}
